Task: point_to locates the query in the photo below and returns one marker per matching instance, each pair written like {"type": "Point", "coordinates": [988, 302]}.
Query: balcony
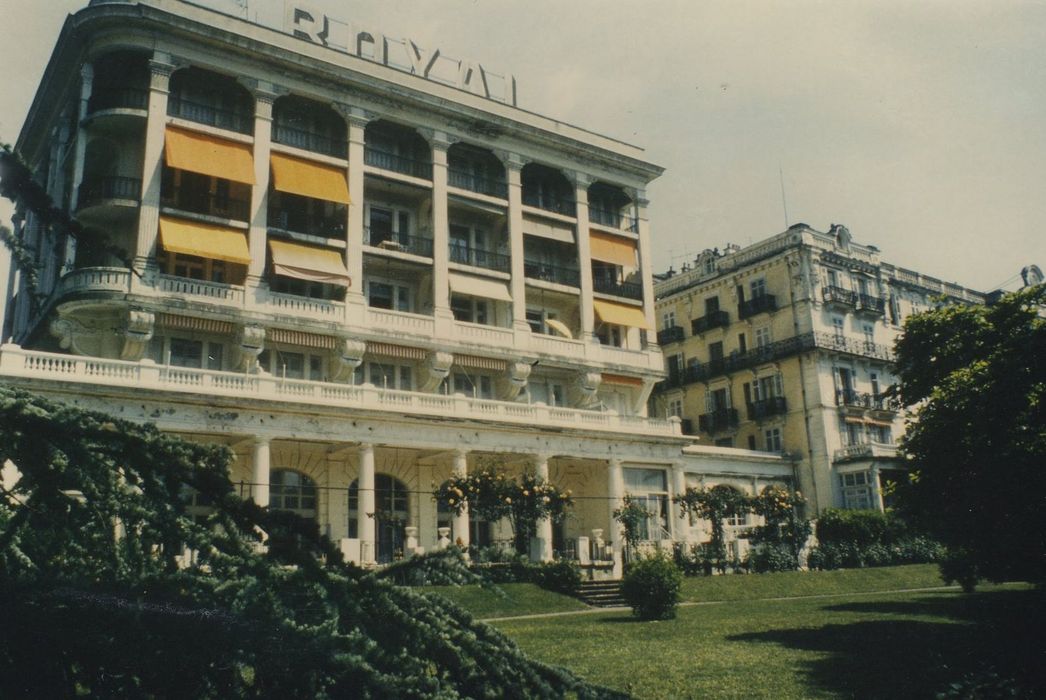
{"type": "Point", "coordinates": [557, 205]}
{"type": "Point", "coordinates": [110, 187]}
{"type": "Point", "coordinates": [386, 160]}
{"type": "Point", "coordinates": [839, 296]}
{"type": "Point", "coordinates": [465, 255]}
{"type": "Point", "coordinates": [208, 204]}
{"type": "Point", "coordinates": [672, 334]}
{"type": "Point", "coordinates": [399, 242]}
{"type": "Point", "coordinates": [872, 305]}
{"type": "Point", "coordinates": [312, 225]}
{"type": "Point", "coordinates": [232, 120]}
{"type": "Point", "coordinates": [464, 180]}
{"type": "Point", "coordinates": [310, 141]}
{"type": "Point", "coordinates": [626, 290]}
{"type": "Point", "coordinates": [764, 303]}
{"type": "Point", "coordinates": [719, 420]}
{"type": "Point", "coordinates": [765, 408]}
{"type": "Point", "coordinates": [552, 273]}
{"type": "Point", "coordinates": [117, 98]}
{"type": "Point", "coordinates": [874, 402]}
{"type": "Point", "coordinates": [865, 450]}
{"type": "Point", "coordinates": [713, 319]}
{"type": "Point", "coordinates": [612, 219]}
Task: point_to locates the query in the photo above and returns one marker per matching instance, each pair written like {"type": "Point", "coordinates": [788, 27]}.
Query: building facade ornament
{"type": "Point", "coordinates": [513, 380]}
{"type": "Point", "coordinates": [137, 333]}
{"type": "Point", "coordinates": [434, 369]}
{"type": "Point", "coordinates": [250, 341]}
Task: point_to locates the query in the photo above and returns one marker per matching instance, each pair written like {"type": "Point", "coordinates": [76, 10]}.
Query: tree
{"type": "Point", "coordinates": [784, 532]}
{"type": "Point", "coordinates": [98, 599]}
{"type": "Point", "coordinates": [714, 505]}
{"type": "Point", "coordinates": [631, 514]}
{"type": "Point", "coordinates": [976, 377]}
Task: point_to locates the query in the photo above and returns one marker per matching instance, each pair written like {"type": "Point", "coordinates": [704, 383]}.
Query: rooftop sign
{"type": "Point", "coordinates": [401, 54]}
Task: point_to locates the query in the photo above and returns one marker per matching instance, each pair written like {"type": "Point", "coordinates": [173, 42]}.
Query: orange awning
{"type": "Point", "coordinates": [620, 314]}
{"type": "Point", "coordinates": [209, 155]}
{"type": "Point", "coordinates": [621, 379]}
{"type": "Point", "coordinates": [612, 249]}
{"type": "Point", "coordinates": [309, 179]}
{"type": "Point", "coordinates": [204, 240]}
{"type": "Point", "coordinates": [305, 262]}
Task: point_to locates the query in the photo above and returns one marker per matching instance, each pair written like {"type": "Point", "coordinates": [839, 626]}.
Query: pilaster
{"type": "Point", "coordinates": [260, 474]}
{"type": "Point", "coordinates": [357, 121]}
{"type": "Point", "coordinates": [646, 270]}
{"type": "Point", "coordinates": [160, 69]}
{"type": "Point", "coordinates": [584, 255]}
{"type": "Point", "coordinates": [440, 229]}
{"type": "Point", "coordinates": [86, 88]}
{"type": "Point", "coordinates": [265, 95]}
{"type": "Point", "coordinates": [366, 511]}
{"type": "Point", "coordinates": [513, 168]}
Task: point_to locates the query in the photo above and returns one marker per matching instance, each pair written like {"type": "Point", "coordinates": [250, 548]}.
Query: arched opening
{"type": "Point", "coordinates": [547, 188]}
{"type": "Point", "coordinates": [292, 491]}
{"type": "Point", "coordinates": [476, 169]}
{"type": "Point", "coordinates": [213, 99]}
{"type": "Point", "coordinates": [391, 506]}
{"type": "Point", "coordinates": [121, 81]}
{"type": "Point", "coordinates": [398, 148]}
{"type": "Point", "coordinates": [607, 207]}
{"type": "Point", "coordinates": [308, 125]}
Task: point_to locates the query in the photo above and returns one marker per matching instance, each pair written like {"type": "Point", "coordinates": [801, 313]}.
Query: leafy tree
{"type": "Point", "coordinates": [714, 505]}
{"type": "Point", "coordinates": [784, 530]}
{"type": "Point", "coordinates": [631, 514]}
{"type": "Point", "coordinates": [976, 377]}
{"type": "Point", "coordinates": [98, 599]}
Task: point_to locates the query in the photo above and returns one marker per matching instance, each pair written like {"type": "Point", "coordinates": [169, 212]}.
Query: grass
{"type": "Point", "coordinates": [513, 599]}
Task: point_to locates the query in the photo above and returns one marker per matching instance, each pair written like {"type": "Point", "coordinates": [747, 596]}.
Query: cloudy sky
{"type": "Point", "coordinates": [919, 125]}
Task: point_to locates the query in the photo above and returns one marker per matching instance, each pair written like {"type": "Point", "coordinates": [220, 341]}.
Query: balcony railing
{"type": "Point", "coordinates": [628, 290]}
{"type": "Point", "coordinates": [552, 273]}
{"type": "Point", "coordinates": [713, 319]}
{"type": "Point", "coordinates": [401, 242]}
{"type": "Point", "coordinates": [872, 304]}
{"type": "Point", "coordinates": [757, 305]}
{"type": "Point", "coordinates": [764, 408]}
{"type": "Point", "coordinates": [100, 189]}
{"type": "Point", "coordinates": [838, 295]}
{"type": "Point", "coordinates": [324, 227]}
{"type": "Point", "coordinates": [857, 399]}
{"type": "Point", "coordinates": [718, 420]}
{"type": "Point", "coordinates": [309, 141]}
{"type": "Point", "coordinates": [233, 120]}
{"type": "Point", "coordinates": [558, 205]}
{"type": "Point", "coordinates": [475, 257]}
{"type": "Point", "coordinates": [396, 163]}
{"type": "Point", "coordinates": [672, 334]}
{"type": "Point", "coordinates": [465, 180]}
{"type": "Point", "coordinates": [613, 219]}
{"type": "Point", "coordinates": [865, 450]}
{"type": "Point", "coordinates": [210, 204]}
{"type": "Point", "coordinates": [117, 98]}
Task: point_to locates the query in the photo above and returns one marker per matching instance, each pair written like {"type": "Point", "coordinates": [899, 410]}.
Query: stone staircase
{"type": "Point", "coordinates": [601, 594]}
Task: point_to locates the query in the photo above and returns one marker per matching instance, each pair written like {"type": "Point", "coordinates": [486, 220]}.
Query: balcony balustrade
{"type": "Point", "coordinates": [462, 179]}
{"type": "Point", "coordinates": [871, 304]}
{"type": "Point", "coordinates": [764, 303]}
{"type": "Point", "coordinates": [400, 242]}
{"type": "Point", "coordinates": [612, 219]}
{"type": "Point", "coordinates": [117, 98]}
{"type": "Point", "coordinates": [552, 273]}
{"type": "Point", "coordinates": [108, 187]}
{"type": "Point", "coordinates": [719, 420]}
{"type": "Point", "coordinates": [385, 160]}
{"type": "Point", "coordinates": [627, 290]}
{"type": "Point", "coordinates": [856, 399]}
{"type": "Point", "coordinates": [208, 203]}
{"type": "Point", "coordinates": [232, 120]}
{"type": "Point", "coordinates": [309, 141]}
{"type": "Point", "coordinates": [466, 255]}
{"type": "Point", "coordinates": [840, 296]}
{"type": "Point", "coordinates": [558, 205]}
{"type": "Point", "coordinates": [672, 334]}
{"type": "Point", "coordinates": [765, 408]}
{"type": "Point", "coordinates": [713, 319]}
{"type": "Point", "coordinates": [865, 450]}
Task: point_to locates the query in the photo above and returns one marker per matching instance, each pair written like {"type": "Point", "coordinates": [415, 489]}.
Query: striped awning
{"type": "Point", "coordinates": [401, 352]}
{"type": "Point", "coordinates": [285, 336]}
{"type": "Point", "coordinates": [621, 380]}
{"type": "Point", "coordinates": [193, 323]}
{"type": "Point", "coordinates": [488, 363]}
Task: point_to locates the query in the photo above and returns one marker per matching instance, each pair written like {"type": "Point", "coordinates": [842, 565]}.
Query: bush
{"type": "Point", "coordinates": [690, 560]}
{"type": "Point", "coordinates": [557, 576]}
{"type": "Point", "coordinates": [771, 557]}
{"type": "Point", "coordinates": [849, 555]}
{"type": "Point", "coordinates": [651, 587]}
{"type": "Point", "coordinates": [860, 527]}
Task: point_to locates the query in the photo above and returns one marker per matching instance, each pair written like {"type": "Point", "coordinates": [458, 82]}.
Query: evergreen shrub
{"type": "Point", "coordinates": [651, 587]}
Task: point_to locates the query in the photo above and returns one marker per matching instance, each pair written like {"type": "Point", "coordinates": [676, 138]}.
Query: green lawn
{"type": "Point", "coordinates": [506, 600]}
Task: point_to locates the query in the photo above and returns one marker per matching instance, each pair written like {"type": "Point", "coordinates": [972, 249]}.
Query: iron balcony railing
{"type": "Point", "coordinates": [857, 399]}
{"type": "Point", "coordinates": [465, 180]}
{"type": "Point", "coordinates": [378, 158]}
{"type": "Point", "coordinates": [211, 204]}
{"type": "Point", "coordinates": [390, 240]}
{"type": "Point", "coordinates": [672, 334]}
{"type": "Point", "coordinates": [613, 219]}
{"type": "Point", "coordinates": [309, 141]}
{"type": "Point", "coordinates": [713, 319]}
{"type": "Point", "coordinates": [757, 305]}
{"type": "Point", "coordinates": [325, 227]}
{"type": "Point", "coordinates": [764, 408]}
{"type": "Point", "coordinates": [233, 120]}
{"type": "Point", "coordinates": [628, 290]}
{"type": "Point", "coordinates": [559, 205]}
{"type": "Point", "coordinates": [718, 420]}
{"type": "Point", "coordinates": [838, 295]}
{"type": "Point", "coordinates": [475, 257]}
{"type": "Point", "coordinates": [99, 189]}
{"type": "Point", "coordinates": [867, 302]}
{"type": "Point", "coordinates": [552, 273]}
{"type": "Point", "coordinates": [117, 98]}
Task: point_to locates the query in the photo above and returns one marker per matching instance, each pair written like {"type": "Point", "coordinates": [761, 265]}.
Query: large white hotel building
{"type": "Point", "coordinates": [357, 263]}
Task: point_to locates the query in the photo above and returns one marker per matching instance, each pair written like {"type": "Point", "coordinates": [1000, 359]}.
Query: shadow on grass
{"type": "Point", "coordinates": [905, 657]}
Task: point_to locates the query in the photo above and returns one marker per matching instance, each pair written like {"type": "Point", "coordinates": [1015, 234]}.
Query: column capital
{"type": "Point", "coordinates": [582, 180]}
{"type": "Point", "coordinates": [366, 447]}
{"type": "Point", "coordinates": [262, 90]}
{"type": "Point", "coordinates": [160, 72]}
{"type": "Point", "coordinates": [510, 159]}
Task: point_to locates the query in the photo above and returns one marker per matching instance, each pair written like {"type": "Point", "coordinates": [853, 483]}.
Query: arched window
{"type": "Point", "coordinates": [391, 502]}
{"type": "Point", "coordinates": [292, 491]}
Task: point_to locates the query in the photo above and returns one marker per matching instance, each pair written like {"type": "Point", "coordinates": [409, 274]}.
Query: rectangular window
{"type": "Point", "coordinates": [674, 365]}
{"type": "Point", "coordinates": [609, 335]}
{"type": "Point", "coordinates": [742, 343]}
{"type": "Point", "coordinates": [668, 319]}
{"type": "Point", "coordinates": [758, 288]}
{"type": "Point", "coordinates": [387, 295]}
{"type": "Point", "coordinates": [773, 440]}
{"type": "Point", "coordinates": [476, 386]}
{"type": "Point", "coordinates": [751, 442]}
{"type": "Point", "coordinates": [186, 353]}
{"type": "Point", "coordinates": [838, 327]}
{"type": "Point", "coordinates": [715, 351]}
{"type": "Point", "coordinates": [857, 491]}
{"type": "Point", "coordinates": [711, 305]}
{"type": "Point", "coordinates": [469, 309]}
{"type": "Point", "coordinates": [832, 278]}
{"type": "Point", "coordinates": [675, 408]}
{"type": "Point", "coordinates": [762, 337]}
{"type": "Point", "coordinates": [869, 333]}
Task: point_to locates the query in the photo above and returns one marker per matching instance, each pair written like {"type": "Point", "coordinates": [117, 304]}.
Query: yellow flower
{"type": "Point", "coordinates": [526, 493]}
{"type": "Point", "coordinates": [508, 500]}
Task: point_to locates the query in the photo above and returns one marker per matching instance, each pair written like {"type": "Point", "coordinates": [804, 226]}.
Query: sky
{"type": "Point", "coordinates": [921, 126]}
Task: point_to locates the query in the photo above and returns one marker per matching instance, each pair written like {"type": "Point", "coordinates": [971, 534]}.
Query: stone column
{"type": "Point", "coordinates": [877, 489]}
{"type": "Point", "coordinates": [513, 168]}
{"type": "Point", "coordinates": [261, 474]}
{"type": "Point", "coordinates": [86, 87]}
{"type": "Point", "coordinates": [264, 96]}
{"type": "Point", "coordinates": [356, 302]}
{"type": "Point", "coordinates": [460, 531]}
{"type": "Point", "coordinates": [677, 486]}
{"type": "Point", "coordinates": [366, 509]}
{"type": "Point", "coordinates": [646, 270]}
{"type": "Point", "coordinates": [615, 492]}
{"type": "Point", "coordinates": [160, 69]}
{"type": "Point", "coordinates": [440, 235]}
{"type": "Point", "coordinates": [584, 256]}
{"type": "Point", "coordinates": [544, 526]}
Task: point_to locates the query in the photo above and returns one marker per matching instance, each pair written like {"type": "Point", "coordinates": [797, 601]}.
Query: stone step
{"type": "Point", "coordinates": [601, 594]}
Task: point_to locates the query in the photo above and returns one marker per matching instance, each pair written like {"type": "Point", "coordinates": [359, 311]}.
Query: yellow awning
{"type": "Point", "coordinates": [612, 249]}
{"type": "Point", "coordinates": [620, 314]}
{"type": "Point", "coordinates": [309, 179]}
{"type": "Point", "coordinates": [204, 240]}
{"type": "Point", "coordinates": [306, 262]}
{"type": "Point", "coordinates": [479, 287]}
{"type": "Point", "coordinates": [559, 327]}
{"type": "Point", "coordinates": [209, 155]}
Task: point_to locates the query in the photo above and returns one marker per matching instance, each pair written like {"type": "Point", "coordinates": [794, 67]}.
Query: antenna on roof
{"type": "Point", "coordinates": [784, 200]}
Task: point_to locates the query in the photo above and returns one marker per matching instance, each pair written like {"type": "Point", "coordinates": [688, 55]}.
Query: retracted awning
{"type": "Point", "coordinates": [612, 249]}
{"type": "Point", "coordinates": [204, 240]}
{"type": "Point", "coordinates": [309, 179]}
{"type": "Point", "coordinates": [478, 287]}
{"type": "Point", "coordinates": [209, 155]}
{"type": "Point", "coordinates": [305, 262]}
{"type": "Point", "coordinates": [563, 234]}
{"type": "Point", "coordinates": [559, 327]}
{"type": "Point", "coordinates": [620, 314]}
